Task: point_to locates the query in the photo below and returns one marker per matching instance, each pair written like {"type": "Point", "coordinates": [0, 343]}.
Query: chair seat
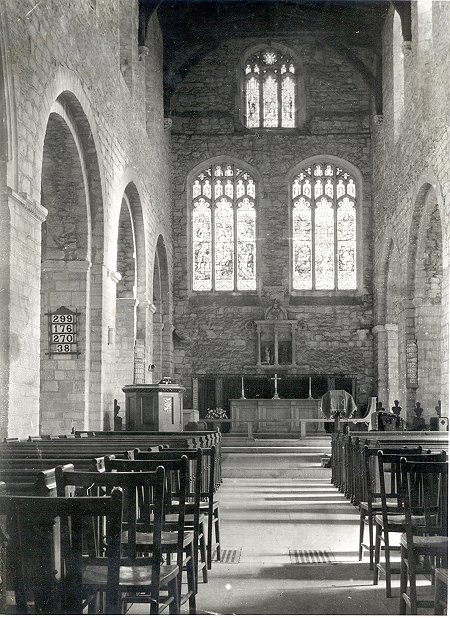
{"type": "Point", "coordinates": [96, 575]}
{"type": "Point", "coordinates": [376, 505]}
{"type": "Point", "coordinates": [204, 505]}
{"type": "Point", "coordinates": [167, 539]}
{"type": "Point", "coordinates": [188, 519]}
{"type": "Point", "coordinates": [437, 544]}
{"type": "Point", "coordinates": [399, 520]}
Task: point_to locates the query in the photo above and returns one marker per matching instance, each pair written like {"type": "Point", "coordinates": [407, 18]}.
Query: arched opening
{"type": "Point", "coordinates": [425, 328]}
{"type": "Point", "coordinates": [72, 253]}
{"type": "Point", "coordinates": [126, 300]}
{"type": "Point", "coordinates": [131, 300]}
{"type": "Point", "coordinates": [162, 326]}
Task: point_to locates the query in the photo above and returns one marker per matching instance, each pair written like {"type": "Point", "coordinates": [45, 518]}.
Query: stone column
{"type": "Point", "coordinates": [381, 347]}
{"type": "Point", "coordinates": [258, 351]}
{"type": "Point", "coordinates": [294, 346]}
{"type": "Point", "coordinates": [20, 293]}
{"type": "Point", "coordinates": [392, 363]}
{"type": "Point", "coordinates": [275, 345]}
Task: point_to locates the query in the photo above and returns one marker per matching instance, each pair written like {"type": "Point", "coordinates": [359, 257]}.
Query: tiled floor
{"type": "Point", "coordinates": [269, 517]}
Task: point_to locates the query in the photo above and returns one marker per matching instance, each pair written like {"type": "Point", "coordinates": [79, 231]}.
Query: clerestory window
{"type": "Point", "coordinates": [223, 229]}
{"type": "Point", "coordinates": [270, 90]}
{"type": "Point", "coordinates": [324, 228]}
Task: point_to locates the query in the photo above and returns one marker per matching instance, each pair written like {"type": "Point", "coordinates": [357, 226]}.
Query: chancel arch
{"type": "Point", "coordinates": [70, 191]}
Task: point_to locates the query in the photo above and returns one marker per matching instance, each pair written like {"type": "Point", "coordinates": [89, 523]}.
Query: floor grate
{"type": "Point", "coordinates": [311, 556]}
{"type": "Point", "coordinates": [229, 556]}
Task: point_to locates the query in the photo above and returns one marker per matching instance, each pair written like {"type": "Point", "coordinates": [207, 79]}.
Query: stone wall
{"type": "Point", "coordinates": [74, 53]}
{"type": "Point", "coordinates": [214, 331]}
{"type": "Point", "coordinates": [412, 207]}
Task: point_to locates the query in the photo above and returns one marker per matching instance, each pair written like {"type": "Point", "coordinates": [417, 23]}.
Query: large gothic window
{"type": "Point", "coordinates": [270, 90]}
{"type": "Point", "coordinates": [223, 229]}
{"type": "Point", "coordinates": [324, 203]}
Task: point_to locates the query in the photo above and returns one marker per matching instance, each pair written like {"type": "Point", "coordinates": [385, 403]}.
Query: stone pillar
{"type": "Point", "coordinates": [381, 347]}
{"type": "Point", "coordinates": [195, 393]}
{"type": "Point", "coordinates": [20, 367]}
{"type": "Point", "coordinates": [258, 350]}
{"type": "Point", "coordinates": [293, 342]}
{"type": "Point", "coordinates": [392, 363]}
{"type": "Point", "coordinates": [275, 345]}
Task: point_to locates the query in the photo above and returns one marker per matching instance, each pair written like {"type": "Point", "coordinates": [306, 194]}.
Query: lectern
{"type": "Point", "coordinates": [153, 407]}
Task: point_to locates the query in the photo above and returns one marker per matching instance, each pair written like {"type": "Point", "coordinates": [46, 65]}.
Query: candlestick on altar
{"type": "Point", "coordinates": [242, 388]}
{"type": "Point", "coordinates": [310, 395]}
{"type": "Point", "coordinates": [275, 379]}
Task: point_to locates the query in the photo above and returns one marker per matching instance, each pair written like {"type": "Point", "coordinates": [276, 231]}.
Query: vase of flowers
{"type": "Point", "coordinates": [215, 414]}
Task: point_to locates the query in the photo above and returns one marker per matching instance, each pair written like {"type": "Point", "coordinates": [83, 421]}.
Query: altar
{"type": "Point", "coordinates": [276, 415]}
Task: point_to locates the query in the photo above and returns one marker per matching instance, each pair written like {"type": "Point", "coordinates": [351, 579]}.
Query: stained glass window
{"type": "Point", "coordinates": [324, 206]}
{"type": "Point", "coordinates": [270, 90]}
{"type": "Point", "coordinates": [223, 229]}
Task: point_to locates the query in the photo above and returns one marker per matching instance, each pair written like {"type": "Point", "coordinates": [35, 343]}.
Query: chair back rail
{"type": "Point", "coordinates": [44, 550]}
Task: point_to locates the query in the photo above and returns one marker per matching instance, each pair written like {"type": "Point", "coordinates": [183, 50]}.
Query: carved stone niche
{"type": "Point", "coordinates": [275, 339]}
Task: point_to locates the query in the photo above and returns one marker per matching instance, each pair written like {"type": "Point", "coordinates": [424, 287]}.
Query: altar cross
{"type": "Point", "coordinates": [275, 379]}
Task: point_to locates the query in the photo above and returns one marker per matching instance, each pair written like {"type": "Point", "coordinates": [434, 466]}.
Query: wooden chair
{"type": "Point", "coordinates": [193, 519]}
{"type": "Point", "coordinates": [424, 544]}
{"type": "Point", "coordinates": [176, 538]}
{"type": "Point", "coordinates": [440, 592]}
{"type": "Point", "coordinates": [391, 489]}
{"type": "Point", "coordinates": [66, 580]}
{"type": "Point", "coordinates": [143, 578]}
{"type": "Point", "coordinates": [372, 505]}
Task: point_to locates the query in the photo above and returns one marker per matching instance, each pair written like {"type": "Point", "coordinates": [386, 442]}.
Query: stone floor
{"type": "Point", "coordinates": [268, 520]}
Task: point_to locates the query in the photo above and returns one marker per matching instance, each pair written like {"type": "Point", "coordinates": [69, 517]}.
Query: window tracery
{"type": "Point", "coordinates": [270, 90]}
{"type": "Point", "coordinates": [324, 202]}
{"type": "Point", "coordinates": [223, 229]}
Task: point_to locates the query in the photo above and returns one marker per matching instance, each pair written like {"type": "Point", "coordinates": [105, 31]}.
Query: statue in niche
{"type": "Point", "coordinates": [267, 357]}
{"type": "Point", "coordinates": [275, 312]}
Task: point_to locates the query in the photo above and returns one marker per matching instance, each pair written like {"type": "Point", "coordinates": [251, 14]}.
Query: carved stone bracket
{"type": "Point", "coordinates": [33, 208]}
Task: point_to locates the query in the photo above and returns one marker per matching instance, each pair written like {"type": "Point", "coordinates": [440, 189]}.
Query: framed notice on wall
{"type": "Point", "coordinates": [63, 332]}
{"type": "Point", "coordinates": [412, 377]}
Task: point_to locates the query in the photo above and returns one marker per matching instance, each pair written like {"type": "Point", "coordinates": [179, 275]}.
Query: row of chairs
{"type": "Point", "coordinates": [407, 497]}
{"type": "Point", "coordinates": [167, 504]}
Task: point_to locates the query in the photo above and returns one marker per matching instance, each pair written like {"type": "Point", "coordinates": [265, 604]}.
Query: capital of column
{"type": "Point", "coordinates": [391, 328]}
{"type": "Point", "coordinates": [379, 328]}
{"type": "Point", "coordinates": [32, 207]}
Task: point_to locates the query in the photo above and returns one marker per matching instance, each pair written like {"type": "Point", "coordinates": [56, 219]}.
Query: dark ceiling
{"type": "Point", "coordinates": [193, 28]}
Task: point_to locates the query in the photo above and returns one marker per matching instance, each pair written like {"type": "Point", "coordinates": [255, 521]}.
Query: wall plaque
{"type": "Point", "coordinates": [412, 378]}
{"type": "Point", "coordinates": [63, 332]}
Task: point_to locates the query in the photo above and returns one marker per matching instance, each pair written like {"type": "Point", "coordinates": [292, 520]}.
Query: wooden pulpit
{"type": "Point", "coordinates": [153, 407]}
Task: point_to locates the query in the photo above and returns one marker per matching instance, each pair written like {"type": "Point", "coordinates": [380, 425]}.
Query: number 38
{"type": "Point", "coordinates": [63, 348]}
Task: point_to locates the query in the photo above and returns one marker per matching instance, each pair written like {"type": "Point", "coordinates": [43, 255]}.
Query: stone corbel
{"type": "Point", "coordinates": [167, 124]}
{"type": "Point", "coordinates": [32, 207]}
{"type": "Point", "coordinates": [143, 52]}
{"type": "Point", "coordinates": [114, 276]}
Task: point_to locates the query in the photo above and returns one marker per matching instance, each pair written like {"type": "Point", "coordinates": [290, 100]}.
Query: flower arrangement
{"type": "Point", "coordinates": [216, 414]}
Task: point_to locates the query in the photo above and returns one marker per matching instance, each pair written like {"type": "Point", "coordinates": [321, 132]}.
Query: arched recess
{"type": "Point", "coordinates": [131, 302]}
{"type": "Point", "coordinates": [428, 319]}
{"type": "Point", "coordinates": [71, 267]}
{"type": "Point", "coordinates": [162, 326]}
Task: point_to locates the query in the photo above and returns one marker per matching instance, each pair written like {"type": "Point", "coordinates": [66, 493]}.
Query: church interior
{"type": "Point", "coordinates": [225, 226]}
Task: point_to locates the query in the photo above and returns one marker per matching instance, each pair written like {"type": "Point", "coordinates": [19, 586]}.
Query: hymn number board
{"type": "Point", "coordinates": [63, 331]}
